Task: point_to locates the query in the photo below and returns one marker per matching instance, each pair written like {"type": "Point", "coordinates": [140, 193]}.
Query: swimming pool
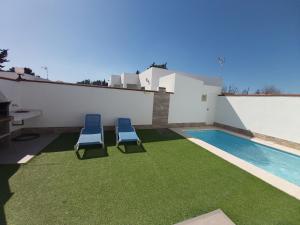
{"type": "Point", "coordinates": [275, 161]}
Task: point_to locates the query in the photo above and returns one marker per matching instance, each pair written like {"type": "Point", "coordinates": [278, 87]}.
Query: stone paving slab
{"type": "Point", "coordinates": [23, 151]}
{"type": "Point", "coordinates": [217, 217]}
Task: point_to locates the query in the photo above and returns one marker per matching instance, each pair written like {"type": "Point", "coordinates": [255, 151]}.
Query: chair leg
{"type": "Point", "coordinates": [117, 140]}
{"type": "Point", "coordinates": [76, 148]}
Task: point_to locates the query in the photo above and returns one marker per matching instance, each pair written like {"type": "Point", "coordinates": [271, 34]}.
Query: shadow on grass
{"type": "Point", "coordinates": [157, 135]}
{"type": "Point", "coordinates": [129, 148]}
{"type": "Point", "coordinates": [66, 142]}
{"type": "Point", "coordinates": [91, 153]}
{"type": "Point", "coordinates": [6, 171]}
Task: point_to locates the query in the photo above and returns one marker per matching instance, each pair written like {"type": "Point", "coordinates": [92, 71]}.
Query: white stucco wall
{"type": "Point", "coordinates": [145, 79]}
{"type": "Point", "coordinates": [13, 75]}
{"type": "Point", "coordinates": [212, 93]}
{"type": "Point", "coordinates": [186, 105]}
{"type": "Point", "coordinates": [65, 105]}
{"type": "Point", "coordinates": [10, 75]}
{"type": "Point", "coordinates": [157, 73]}
{"type": "Point", "coordinates": [12, 91]}
{"type": "Point", "coordinates": [207, 80]}
{"type": "Point", "coordinates": [274, 116]}
{"type": "Point", "coordinates": [115, 81]}
{"type": "Point", "coordinates": [153, 76]}
{"type": "Point", "coordinates": [168, 82]}
{"type": "Point", "coordinates": [130, 78]}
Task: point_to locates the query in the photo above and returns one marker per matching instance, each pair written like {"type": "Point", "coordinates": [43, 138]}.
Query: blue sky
{"type": "Point", "coordinates": [260, 39]}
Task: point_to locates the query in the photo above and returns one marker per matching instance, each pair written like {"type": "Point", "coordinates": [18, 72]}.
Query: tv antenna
{"type": "Point", "coordinates": [46, 69]}
{"type": "Point", "coordinates": [221, 61]}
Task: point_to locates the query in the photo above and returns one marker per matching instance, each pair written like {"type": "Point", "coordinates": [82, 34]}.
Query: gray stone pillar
{"type": "Point", "coordinates": [161, 108]}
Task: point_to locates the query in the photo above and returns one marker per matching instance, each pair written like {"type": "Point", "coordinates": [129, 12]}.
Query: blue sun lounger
{"type": "Point", "coordinates": [125, 132]}
{"type": "Point", "coordinates": [92, 133]}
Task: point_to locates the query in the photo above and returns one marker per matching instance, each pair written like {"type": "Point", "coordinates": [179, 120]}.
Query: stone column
{"type": "Point", "coordinates": [161, 108]}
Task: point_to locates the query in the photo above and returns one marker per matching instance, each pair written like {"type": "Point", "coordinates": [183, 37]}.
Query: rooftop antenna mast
{"type": "Point", "coordinates": [46, 69]}
{"type": "Point", "coordinates": [221, 61]}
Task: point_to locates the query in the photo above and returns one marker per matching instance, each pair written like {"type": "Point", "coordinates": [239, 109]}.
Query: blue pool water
{"type": "Point", "coordinates": [275, 161]}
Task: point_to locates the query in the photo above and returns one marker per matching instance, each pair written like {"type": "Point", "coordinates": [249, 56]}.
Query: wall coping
{"type": "Point", "coordinates": [79, 85]}
{"type": "Point", "coordinates": [265, 137]}
{"type": "Point", "coordinates": [260, 95]}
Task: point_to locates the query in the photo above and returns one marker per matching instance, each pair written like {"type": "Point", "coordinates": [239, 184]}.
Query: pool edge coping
{"type": "Point", "coordinates": [277, 182]}
{"type": "Point", "coordinates": [254, 139]}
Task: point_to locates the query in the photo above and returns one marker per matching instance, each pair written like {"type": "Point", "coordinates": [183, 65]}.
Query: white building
{"type": "Point", "coordinates": [150, 79]}
{"type": "Point", "coordinates": [115, 81]}
{"type": "Point", "coordinates": [194, 96]}
{"type": "Point", "coordinates": [14, 76]}
{"type": "Point", "coordinates": [125, 80]}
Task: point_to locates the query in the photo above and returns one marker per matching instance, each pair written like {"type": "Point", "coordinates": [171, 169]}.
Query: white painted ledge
{"type": "Point", "coordinates": [32, 113]}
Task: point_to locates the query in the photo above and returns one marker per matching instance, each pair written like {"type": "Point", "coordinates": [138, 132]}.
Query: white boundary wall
{"type": "Point", "coordinates": [270, 115]}
{"type": "Point", "coordinates": [65, 105]}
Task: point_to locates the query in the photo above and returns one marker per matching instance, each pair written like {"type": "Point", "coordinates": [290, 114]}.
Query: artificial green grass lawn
{"type": "Point", "coordinates": [170, 180]}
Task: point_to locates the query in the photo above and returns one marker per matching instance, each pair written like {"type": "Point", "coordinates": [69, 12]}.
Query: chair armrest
{"type": "Point", "coordinates": [102, 131]}
{"type": "Point", "coordinates": [136, 132]}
